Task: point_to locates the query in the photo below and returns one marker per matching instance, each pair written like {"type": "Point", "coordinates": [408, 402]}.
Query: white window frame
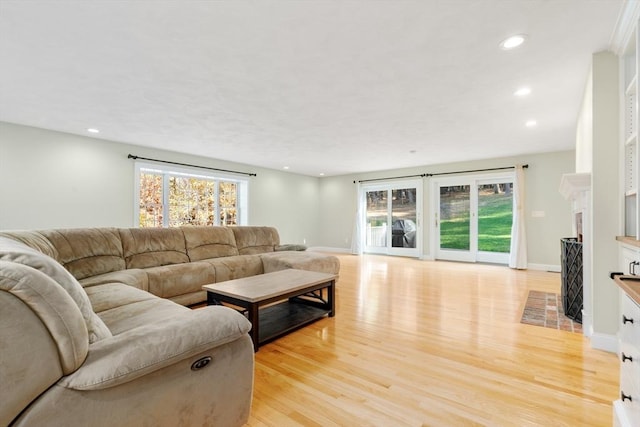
{"type": "Point", "coordinates": [242, 194]}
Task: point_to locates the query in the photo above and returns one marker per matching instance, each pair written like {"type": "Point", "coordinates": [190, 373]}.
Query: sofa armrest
{"type": "Point", "coordinates": [140, 351]}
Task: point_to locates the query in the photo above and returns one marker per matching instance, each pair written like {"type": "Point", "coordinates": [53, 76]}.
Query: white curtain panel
{"type": "Point", "coordinates": [356, 238]}
{"type": "Point", "coordinates": [518, 256]}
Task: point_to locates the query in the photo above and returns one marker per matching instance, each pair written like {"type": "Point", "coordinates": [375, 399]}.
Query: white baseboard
{"type": "Point", "coordinates": [544, 267]}
{"type": "Point", "coordinates": [429, 257]}
{"type": "Point", "coordinates": [620, 415]}
{"type": "Point", "coordinates": [604, 342]}
{"type": "Point", "coordinates": [587, 324]}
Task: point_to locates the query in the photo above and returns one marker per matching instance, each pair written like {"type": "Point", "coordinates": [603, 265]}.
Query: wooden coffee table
{"type": "Point", "coordinates": [279, 302]}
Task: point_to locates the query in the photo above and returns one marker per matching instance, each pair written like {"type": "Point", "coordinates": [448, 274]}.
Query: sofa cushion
{"type": "Point", "coordinates": [33, 239]}
{"type": "Point", "coordinates": [29, 362]}
{"type": "Point", "coordinates": [87, 252]}
{"type": "Point", "coordinates": [209, 242]}
{"type": "Point", "coordinates": [176, 333]}
{"type": "Point", "coordinates": [255, 240]}
{"type": "Point", "coordinates": [111, 295]}
{"type": "Point", "coordinates": [55, 308]}
{"type": "Point", "coordinates": [194, 298]}
{"type": "Point", "coordinates": [17, 252]}
{"type": "Point", "coordinates": [140, 313]}
{"type": "Point", "coordinates": [171, 280]}
{"type": "Point", "coordinates": [321, 263]}
{"type": "Point", "coordinates": [153, 247]}
{"type": "Point", "coordinates": [134, 277]}
{"type": "Point", "coordinates": [236, 267]}
{"type": "Point", "coordinates": [291, 247]}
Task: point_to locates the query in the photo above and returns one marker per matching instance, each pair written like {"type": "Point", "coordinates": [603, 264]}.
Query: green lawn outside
{"type": "Point", "coordinates": [454, 233]}
{"type": "Point", "coordinates": [494, 226]}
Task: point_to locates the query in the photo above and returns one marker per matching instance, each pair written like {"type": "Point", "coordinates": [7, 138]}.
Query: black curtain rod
{"type": "Point", "coordinates": [131, 156]}
{"type": "Point", "coordinates": [476, 170]}
{"type": "Point", "coordinates": [394, 177]}
{"type": "Point", "coordinates": [442, 173]}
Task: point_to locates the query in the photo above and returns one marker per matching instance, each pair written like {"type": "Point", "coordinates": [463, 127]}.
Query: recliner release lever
{"type": "Point", "coordinates": [201, 363]}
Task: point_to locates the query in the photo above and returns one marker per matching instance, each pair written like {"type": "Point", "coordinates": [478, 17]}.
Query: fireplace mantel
{"type": "Point", "coordinates": [572, 184]}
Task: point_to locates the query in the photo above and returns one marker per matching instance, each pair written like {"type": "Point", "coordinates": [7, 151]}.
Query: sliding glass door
{"type": "Point", "coordinates": [495, 216]}
{"type": "Point", "coordinates": [454, 229]}
{"type": "Point", "coordinates": [473, 218]}
{"type": "Point", "coordinates": [377, 220]}
{"type": "Point", "coordinates": [392, 218]}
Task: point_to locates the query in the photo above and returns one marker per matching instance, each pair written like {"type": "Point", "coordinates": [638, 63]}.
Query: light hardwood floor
{"type": "Point", "coordinates": [422, 343]}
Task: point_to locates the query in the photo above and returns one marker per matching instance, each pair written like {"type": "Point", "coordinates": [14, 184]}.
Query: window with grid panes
{"type": "Point", "coordinates": [173, 197]}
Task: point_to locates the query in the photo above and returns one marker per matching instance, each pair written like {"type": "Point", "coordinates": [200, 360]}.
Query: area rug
{"type": "Point", "coordinates": [545, 309]}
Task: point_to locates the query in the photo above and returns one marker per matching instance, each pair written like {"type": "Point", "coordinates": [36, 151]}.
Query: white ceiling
{"type": "Point", "coordinates": [329, 87]}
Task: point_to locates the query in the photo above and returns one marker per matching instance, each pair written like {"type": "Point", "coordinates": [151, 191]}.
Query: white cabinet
{"type": "Point", "coordinates": [627, 407]}
{"type": "Point", "coordinates": [629, 403]}
{"type": "Point", "coordinates": [629, 260]}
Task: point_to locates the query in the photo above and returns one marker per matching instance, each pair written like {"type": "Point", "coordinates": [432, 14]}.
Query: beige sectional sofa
{"type": "Point", "coordinates": [94, 328]}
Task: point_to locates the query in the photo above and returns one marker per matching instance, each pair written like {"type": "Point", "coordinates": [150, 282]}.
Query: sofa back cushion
{"type": "Point", "coordinates": [54, 307]}
{"type": "Point", "coordinates": [43, 337]}
{"type": "Point", "coordinates": [33, 239]}
{"type": "Point", "coordinates": [18, 253]}
{"type": "Point", "coordinates": [87, 252]}
{"type": "Point", "coordinates": [153, 247]}
{"type": "Point", "coordinates": [255, 240]}
{"type": "Point", "coordinates": [209, 242]}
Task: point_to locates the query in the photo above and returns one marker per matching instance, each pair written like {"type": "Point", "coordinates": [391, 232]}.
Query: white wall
{"type": "Point", "coordinates": [606, 223]}
{"type": "Point", "coordinates": [584, 130]}
{"type": "Point", "coordinates": [597, 153]}
{"type": "Point", "coordinates": [288, 202]}
{"type": "Point", "coordinates": [338, 200]}
{"type": "Point", "coordinates": [56, 180]}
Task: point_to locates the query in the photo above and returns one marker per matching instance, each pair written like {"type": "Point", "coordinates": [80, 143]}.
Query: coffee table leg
{"type": "Point", "coordinates": [255, 327]}
{"type": "Point", "coordinates": [332, 298]}
{"type": "Point", "coordinates": [211, 300]}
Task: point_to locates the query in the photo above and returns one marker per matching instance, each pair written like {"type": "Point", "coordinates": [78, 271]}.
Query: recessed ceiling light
{"type": "Point", "coordinates": [285, 167]}
{"type": "Point", "coordinates": [93, 130]}
{"type": "Point", "coordinates": [531, 123]}
{"type": "Point", "coordinates": [523, 91]}
{"type": "Point", "coordinates": [321, 173]}
{"type": "Point", "coordinates": [513, 42]}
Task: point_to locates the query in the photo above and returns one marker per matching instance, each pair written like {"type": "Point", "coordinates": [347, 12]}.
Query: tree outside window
{"type": "Point", "coordinates": [173, 199]}
{"type": "Point", "coordinates": [151, 206]}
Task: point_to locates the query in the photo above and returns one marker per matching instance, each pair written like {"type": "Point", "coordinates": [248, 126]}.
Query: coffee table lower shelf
{"type": "Point", "coordinates": [279, 302]}
{"type": "Point", "coordinates": [280, 319]}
